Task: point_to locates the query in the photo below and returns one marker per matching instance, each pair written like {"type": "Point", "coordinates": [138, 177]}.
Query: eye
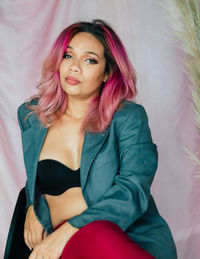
{"type": "Point", "coordinates": [91, 61]}
{"type": "Point", "coordinates": [67, 56]}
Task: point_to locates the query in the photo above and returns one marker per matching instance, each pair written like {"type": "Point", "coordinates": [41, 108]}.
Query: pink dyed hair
{"type": "Point", "coordinates": [121, 83]}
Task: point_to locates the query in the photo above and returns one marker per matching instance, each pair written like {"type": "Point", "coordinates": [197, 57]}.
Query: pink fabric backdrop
{"type": "Point", "coordinates": [28, 29]}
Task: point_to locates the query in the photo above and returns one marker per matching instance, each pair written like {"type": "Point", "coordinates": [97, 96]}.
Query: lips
{"type": "Point", "coordinates": [72, 80]}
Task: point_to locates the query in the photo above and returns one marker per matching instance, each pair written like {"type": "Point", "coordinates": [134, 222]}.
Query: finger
{"type": "Point", "coordinates": [33, 238]}
{"type": "Point", "coordinates": [44, 234]}
{"type": "Point", "coordinates": [38, 236]}
{"type": "Point", "coordinates": [26, 239]}
{"type": "Point", "coordinates": [32, 255]}
{"type": "Point", "coordinates": [36, 255]}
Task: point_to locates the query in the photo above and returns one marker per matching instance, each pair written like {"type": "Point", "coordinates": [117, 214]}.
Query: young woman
{"type": "Point", "coordinates": [89, 155]}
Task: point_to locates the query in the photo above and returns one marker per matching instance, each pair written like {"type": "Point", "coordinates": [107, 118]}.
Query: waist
{"type": "Point", "coordinates": [66, 205]}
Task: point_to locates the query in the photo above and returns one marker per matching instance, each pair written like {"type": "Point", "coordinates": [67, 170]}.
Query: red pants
{"type": "Point", "coordinates": [102, 239]}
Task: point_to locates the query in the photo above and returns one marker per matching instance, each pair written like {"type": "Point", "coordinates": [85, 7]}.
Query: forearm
{"type": "Point", "coordinates": [63, 234]}
{"type": "Point", "coordinates": [70, 229]}
{"type": "Point", "coordinates": [67, 230]}
{"type": "Point", "coordinates": [53, 244]}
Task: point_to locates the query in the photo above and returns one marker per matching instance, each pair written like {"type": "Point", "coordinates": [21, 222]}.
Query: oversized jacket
{"type": "Point", "coordinates": [116, 173]}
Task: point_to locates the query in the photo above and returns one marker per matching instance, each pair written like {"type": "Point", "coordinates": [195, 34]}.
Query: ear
{"type": "Point", "coordinates": [105, 78]}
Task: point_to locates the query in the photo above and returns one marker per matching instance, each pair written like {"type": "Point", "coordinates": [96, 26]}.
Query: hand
{"type": "Point", "coordinates": [53, 245]}
{"type": "Point", "coordinates": [34, 232]}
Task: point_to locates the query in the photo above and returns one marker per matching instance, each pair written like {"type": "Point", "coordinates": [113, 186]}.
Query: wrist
{"type": "Point", "coordinates": [65, 232]}
{"type": "Point", "coordinates": [69, 228]}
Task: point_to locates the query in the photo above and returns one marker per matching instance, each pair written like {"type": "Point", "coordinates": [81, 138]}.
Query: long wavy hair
{"type": "Point", "coordinates": [121, 83]}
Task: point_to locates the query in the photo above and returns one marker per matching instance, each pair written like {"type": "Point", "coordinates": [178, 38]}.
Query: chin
{"type": "Point", "coordinates": [72, 91]}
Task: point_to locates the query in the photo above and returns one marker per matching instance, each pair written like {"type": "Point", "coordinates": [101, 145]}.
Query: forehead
{"type": "Point", "coordinates": [84, 41]}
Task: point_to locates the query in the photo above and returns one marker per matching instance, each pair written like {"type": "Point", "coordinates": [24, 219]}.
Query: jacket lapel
{"type": "Point", "coordinates": [91, 146]}
{"type": "Point", "coordinates": [33, 139]}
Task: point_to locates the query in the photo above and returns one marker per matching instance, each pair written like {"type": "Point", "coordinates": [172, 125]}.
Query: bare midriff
{"type": "Point", "coordinates": [63, 142]}
{"type": "Point", "coordinates": [66, 205]}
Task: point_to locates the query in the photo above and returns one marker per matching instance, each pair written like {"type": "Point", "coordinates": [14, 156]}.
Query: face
{"type": "Point", "coordinates": [82, 67]}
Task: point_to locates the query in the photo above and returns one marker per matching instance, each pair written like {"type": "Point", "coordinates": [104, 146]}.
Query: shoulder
{"type": "Point", "coordinates": [131, 122]}
{"type": "Point", "coordinates": [131, 110]}
{"type": "Point", "coordinates": [131, 119]}
{"type": "Point", "coordinates": [23, 110]}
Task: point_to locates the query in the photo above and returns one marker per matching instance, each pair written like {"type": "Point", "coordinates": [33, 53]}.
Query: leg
{"type": "Point", "coordinates": [15, 246]}
{"type": "Point", "coordinates": [102, 239]}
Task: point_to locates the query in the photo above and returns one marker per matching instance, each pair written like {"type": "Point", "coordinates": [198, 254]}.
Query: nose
{"type": "Point", "coordinates": [74, 66]}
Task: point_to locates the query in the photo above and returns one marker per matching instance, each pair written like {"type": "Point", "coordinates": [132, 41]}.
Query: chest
{"type": "Point", "coordinates": [64, 142]}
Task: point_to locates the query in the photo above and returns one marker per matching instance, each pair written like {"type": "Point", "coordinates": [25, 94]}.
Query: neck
{"type": "Point", "coordinates": [76, 108]}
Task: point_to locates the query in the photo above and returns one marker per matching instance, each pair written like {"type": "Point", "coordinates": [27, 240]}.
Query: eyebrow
{"type": "Point", "coordinates": [89, 52]}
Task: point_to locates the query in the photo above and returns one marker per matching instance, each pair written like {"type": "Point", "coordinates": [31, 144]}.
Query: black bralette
{"type": "Point", "coordinates": [54, 178]}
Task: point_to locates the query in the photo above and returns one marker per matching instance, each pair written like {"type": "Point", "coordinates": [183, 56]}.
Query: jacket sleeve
{"type": "Point", "coordinates": [127, 199]}
{"type": "Point", "coordinates": [22, 127]}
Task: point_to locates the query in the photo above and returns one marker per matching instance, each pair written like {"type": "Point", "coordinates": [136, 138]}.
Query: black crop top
{"type": "Point", "coordinates": [54, 178]}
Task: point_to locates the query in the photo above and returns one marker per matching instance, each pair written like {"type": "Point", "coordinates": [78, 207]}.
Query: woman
{"type": "Point", "coordinates": [89, 156]}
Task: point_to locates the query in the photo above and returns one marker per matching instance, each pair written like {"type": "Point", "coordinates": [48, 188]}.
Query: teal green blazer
{"type": "Point", "coordinates": [117, 170]}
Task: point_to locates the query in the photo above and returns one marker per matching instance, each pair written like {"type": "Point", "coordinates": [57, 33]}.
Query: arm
{"type": "Point", "coordinates": [22, 127]}
{"type": "Point", "coordinates": [34, 232]}
{"type": "Point", "coordinates": [53, 245]}
{"type": "Point", "coordinates": [127, 199]}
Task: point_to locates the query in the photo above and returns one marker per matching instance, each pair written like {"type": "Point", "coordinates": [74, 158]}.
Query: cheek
{"type": "Point", "coordinates": [62, 73]}
{"type": "Point", "coordinates": [62, 68]}
{"type": "Point", "coordinates": [95, 75]}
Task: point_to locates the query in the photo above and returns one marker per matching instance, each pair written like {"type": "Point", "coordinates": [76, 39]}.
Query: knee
{"type": "Point", "coordinates": [102, 228]}
{"type": "Point", "coordinates": [102, 225]}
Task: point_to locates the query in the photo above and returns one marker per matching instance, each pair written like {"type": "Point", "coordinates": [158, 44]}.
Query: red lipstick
{"type": "Point", "coordinates": [72, 80]}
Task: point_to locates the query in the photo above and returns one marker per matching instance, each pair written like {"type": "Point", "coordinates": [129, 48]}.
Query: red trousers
{"type": "Point", "coordinates": [102, 239]}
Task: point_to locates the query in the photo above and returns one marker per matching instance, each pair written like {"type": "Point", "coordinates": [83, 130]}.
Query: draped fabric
{"type": "Point", "coordinates": [28, 30]}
